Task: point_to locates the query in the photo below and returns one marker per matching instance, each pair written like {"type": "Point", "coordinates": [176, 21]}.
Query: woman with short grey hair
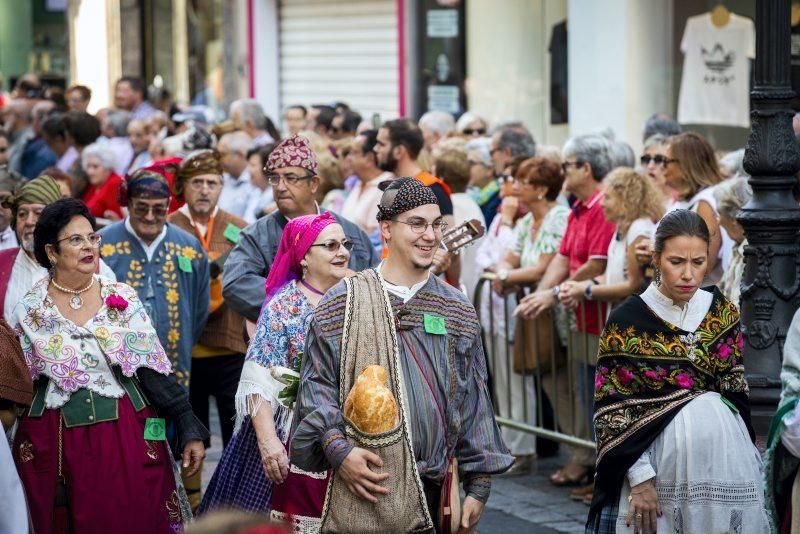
{"type": "Point", "coordinates": [102, 195]}
{"type": "Point", "coordinates": [480, 161]}
{"type": "Point", "coordinates": [654, 160]}
{"type": "Point", "coordinates": [732, 195]}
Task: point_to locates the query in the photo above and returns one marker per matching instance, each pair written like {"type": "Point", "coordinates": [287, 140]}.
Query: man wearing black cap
{"type": "Point", "coordinates": [426, 335]}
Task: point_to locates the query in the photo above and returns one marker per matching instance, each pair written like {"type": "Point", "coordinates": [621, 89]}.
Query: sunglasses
{"type": "Point", "coordinates": [141, 210]}
{"type": "Point", "coordinates": [658, 159]}
{"type": "Point", "coordinates": [333, 245]}
{"type": "Point", "coordinates": [475, 131]}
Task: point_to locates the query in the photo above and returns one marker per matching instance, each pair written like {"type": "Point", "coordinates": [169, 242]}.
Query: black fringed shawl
{"type": "Point", "coordinates": [647, 370]}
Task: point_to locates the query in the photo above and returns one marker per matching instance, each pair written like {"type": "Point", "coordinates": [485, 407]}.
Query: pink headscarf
{"type": "Point", "coordinates": [298, 236]}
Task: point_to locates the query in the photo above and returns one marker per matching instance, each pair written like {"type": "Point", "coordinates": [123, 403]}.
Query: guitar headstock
{"type": "Point", "coordinates": [462, 235]}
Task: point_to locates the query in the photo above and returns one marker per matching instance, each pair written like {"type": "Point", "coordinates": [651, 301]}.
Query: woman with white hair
{"type": "Point", "coordinates": [731, 196]}
{"type": "Point", "coordinates": [480, 162]}
{"type": "Point", "coordinates": [102, 195]}
{"type": "Point", "coordinates": [472, 125]}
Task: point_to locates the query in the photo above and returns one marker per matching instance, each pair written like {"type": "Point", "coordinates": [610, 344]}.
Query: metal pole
{"type": "Point", "coordinates": [772, 219]}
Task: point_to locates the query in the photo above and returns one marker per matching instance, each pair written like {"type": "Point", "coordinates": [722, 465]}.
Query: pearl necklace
{"type": "Point", "coordinates": [76, 301]}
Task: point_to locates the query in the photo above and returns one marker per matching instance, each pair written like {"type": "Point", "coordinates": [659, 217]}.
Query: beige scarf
{"type": "Point", "coordinates": [369, 338]}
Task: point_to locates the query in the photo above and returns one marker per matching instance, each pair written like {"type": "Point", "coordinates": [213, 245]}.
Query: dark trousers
{"type": "Point", "coordinates": [433, 494]}
{"type": "Point", "coordinates": [218, 377]}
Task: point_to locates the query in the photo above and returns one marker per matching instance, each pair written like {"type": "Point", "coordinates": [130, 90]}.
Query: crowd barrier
{"type": "Point", "coordinates": [537, 395]}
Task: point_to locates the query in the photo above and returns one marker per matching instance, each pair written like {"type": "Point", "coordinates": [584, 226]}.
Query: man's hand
{"type": "Point", "coordinates": [572, 293]}
{"type": "Point", "coordinates": [644, 509]}
{"type": "Point", "coordinates": [274, 459]}
{"type": "Point", "coordinates": [441, 261]}
{"type": "Point", "coordinates": [471, 513]}
{"type": "Point", "coordinates": [193, 454]}
{"type": "Point", "coordinates": [359, 478]}
{"type": "Point", "coordinates": [532, 305]}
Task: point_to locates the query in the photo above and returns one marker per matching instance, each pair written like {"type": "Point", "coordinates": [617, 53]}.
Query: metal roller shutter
{"type": "Point", "coordinates": [340, 50]}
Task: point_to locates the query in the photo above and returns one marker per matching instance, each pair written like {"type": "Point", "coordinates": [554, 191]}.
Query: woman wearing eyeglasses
{"type": "Point", "coordinates": [91, 450]}
{"type": "Point", "coordinates": [254, 472]}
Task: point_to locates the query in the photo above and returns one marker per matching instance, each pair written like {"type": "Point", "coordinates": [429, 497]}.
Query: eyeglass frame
{"type": "Point", "coordinates": [346, 243]}
{"type": "Point", "coordinates": [293, 181]}
{"type": "Point", "coordinates": [84, 239]}
{"type": "Point", "coordinates": [577, 164]}
{"type": "Point", "coordinates": [439, 222]}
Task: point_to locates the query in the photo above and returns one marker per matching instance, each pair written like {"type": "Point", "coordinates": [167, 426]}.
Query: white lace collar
{"type": "Point", "coordinates": [687, 318]}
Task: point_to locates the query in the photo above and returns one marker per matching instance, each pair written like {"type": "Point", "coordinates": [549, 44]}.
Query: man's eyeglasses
{"type": "Point", "coordinates": [658, 159]}
{"type": "Point", "coordinates": [419, 226]}
{"type": "Point", "coordinates": [567, 164]}
{"type": "Point", "coordinates": [141, 210]}
{"type": "Point", "coordinates": [475, 131]}
{"type": "Point", "coordinates": [291, 179]}
{"type": "Point", "coordinates": [332, 245]}
{"type": "Point", "coordinates": [197, 185]}
{"type": "Point", "coordinates": [77, 240]}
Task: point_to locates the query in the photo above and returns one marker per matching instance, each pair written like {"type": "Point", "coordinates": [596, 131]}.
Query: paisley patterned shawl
{"type": "Point", "coordinates": [647, 370]}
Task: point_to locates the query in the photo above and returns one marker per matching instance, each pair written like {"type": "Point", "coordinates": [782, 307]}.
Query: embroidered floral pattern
{"type": "Point", "coordinates": [25, 451]}
{"type": "Point", "coordinates": [173, 506]}
{"type": "Point", "coordinates": [281, 330]}
{"type": "Point", "coordinates": [70, 355]}
{"type": "Point", "coordinates": [642, 373]}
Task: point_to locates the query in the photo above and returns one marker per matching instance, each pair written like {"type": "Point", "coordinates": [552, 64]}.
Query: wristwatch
{"type": "Point", "coordinates": [587, 292]}
{"type": "Point", "coordinates": [502, 275]}
{"type": "Point", "coordinates": [555, 290]}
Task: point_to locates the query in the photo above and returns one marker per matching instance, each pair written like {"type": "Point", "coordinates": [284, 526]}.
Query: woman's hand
{"type": "Point", "coordinates": [193, 453]}
{"type": "Point", "coordinates": [532, 305]}
{"type": "Point", "coordinates": [508, 209]}
{"type": "Point", "coordinates": [644, 252]}
{"type": "Point", "coordinates": [644, 509]}
{"type": "Point", "coordinates": [274, 459]}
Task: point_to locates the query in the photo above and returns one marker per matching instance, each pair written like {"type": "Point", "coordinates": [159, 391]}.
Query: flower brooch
{"type": "Point", "coordinates": [115, 302]}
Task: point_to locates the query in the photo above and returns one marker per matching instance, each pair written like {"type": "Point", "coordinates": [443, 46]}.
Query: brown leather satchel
{"type": "Point", "coordinates": [533, 344]}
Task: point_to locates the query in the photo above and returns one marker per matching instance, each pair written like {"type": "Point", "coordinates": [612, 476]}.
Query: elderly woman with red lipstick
{"type": "Point", "coordinates": [91, 450]}
{"type": "Point", "coordinates": [675, 448]}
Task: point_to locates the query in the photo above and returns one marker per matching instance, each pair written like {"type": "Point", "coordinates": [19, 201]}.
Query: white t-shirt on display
{"type": "Point", "coordinates": [715, 87]}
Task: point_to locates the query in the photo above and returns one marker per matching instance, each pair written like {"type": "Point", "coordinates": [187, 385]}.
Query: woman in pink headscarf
{"type": "Point", "coordinates": [254, 472]}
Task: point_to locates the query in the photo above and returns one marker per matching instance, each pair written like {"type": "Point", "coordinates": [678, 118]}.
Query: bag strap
{"type": "Point", "coordinates": [430, 388]}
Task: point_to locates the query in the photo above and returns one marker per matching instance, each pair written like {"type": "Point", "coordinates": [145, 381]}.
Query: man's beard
{"type": "Point", "coordinates": [27, 244]}
{"type": "Point", "coordinates": [390, 165]}
{"type": "Point", "coordinates": [420, 266]}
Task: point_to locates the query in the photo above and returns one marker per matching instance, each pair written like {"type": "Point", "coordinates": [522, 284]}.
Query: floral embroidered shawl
{"type": "Point", "coordinates": [67, 353]}
{"type": "Point", "coordinates": [647, 370]}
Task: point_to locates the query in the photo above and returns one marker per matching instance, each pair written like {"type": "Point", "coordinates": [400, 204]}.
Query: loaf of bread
{"type": "Point", "coordinates": [370, 404]}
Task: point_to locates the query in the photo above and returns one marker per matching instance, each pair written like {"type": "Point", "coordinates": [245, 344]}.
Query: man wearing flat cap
{"type": "Point", "coordinates": [218, 356]}
{"type": "Point", "coordinates": [19, 270]}
{"type": "Point", "coordinates": [425, 334]}
{"type": "Point", "coordinates": [292, 172]}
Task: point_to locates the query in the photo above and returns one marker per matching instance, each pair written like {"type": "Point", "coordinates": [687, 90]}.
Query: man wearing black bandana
{"type": "Point", "coordinates": [430, 345]}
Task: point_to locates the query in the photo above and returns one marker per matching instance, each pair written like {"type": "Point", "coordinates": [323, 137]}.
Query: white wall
{"type": "Point", "coordinates": [508, 63]}
{"type": "Point", "coordinates": [265, 57]}
{"type": "Point", "coordinates": [619, 52]}
{"type": "Point", "coordinates": [95, 57]}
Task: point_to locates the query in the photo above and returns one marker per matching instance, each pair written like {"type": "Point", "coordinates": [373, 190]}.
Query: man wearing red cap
{"type": "Point", "coordinates": [292, 172]}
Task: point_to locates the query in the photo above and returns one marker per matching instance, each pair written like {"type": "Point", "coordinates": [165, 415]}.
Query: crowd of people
{"type": "Point", "coordinates": [153, 257]}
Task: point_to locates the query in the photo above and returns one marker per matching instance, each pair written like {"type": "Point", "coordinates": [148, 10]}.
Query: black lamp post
{"type": "Point", "coordinates": [771, 220]}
